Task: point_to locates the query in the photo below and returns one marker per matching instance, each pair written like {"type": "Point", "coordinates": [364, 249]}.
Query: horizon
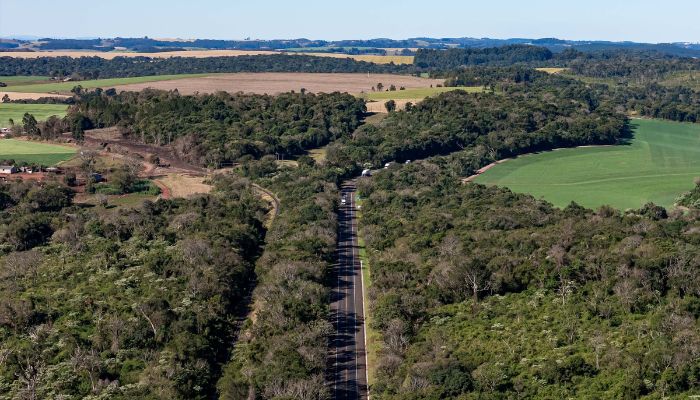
{"type": "Point", "coordinates": [644, 22]}
{"type": "Point", "coordinates": [27, 37]}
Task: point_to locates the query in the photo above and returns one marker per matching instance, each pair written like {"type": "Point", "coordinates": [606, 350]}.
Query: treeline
{"type": "Point", "coordinates": [223, 128]}
{"type": "Point", "coordinates": [120, 67]}
{"type": "Point", "coordinates": [656, 99]}
{"type": "Point", "coordinates": [634, 68]}
{"type": "Point", "coordinates": [482, 293]}
{"type": "Point", "coordinates": [457, 58]}
{"type": "Point", "coordinates": [133, 303]}
{"type": "Point", "coordinates": [554, 112]}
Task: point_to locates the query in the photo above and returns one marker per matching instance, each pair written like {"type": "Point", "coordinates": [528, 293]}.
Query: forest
{"type": "Point", "coordinates": [223, 128]}
{"type": "Point", "coordinates": [517, 118]}
{"type": "Point", "coordinates": [137, 303]}
{"type": "Point", "coordinates": [121, 67]}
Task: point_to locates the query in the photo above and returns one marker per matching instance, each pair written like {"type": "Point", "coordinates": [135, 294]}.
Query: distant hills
{"type": "Point", "coordinates": [370, 46]}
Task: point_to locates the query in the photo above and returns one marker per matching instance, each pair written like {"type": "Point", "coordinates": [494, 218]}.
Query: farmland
{"type": "Point", "coordinates": [34, 152]}
{"type": "Point", "coordinates": [15, 111]}
{"type": "Point", "coordinates": [657, 165]}
{"type": "Point", "coordinates": [415, 93]}
{"type": "Point", "coordinates": [65, 87]}
{"type": "Point", "coordinates": [273, 83]}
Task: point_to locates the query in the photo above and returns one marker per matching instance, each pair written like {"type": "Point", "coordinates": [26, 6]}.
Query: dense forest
{"type": "Point", "coordinates": [137, 303]}
{"type": "Point", "coordinates": [222, 128]}
{"type": "Point", "coordinates": [482, 293]}
{"type": "Point", "coordinates": [556, 112]}
{"type": "Point", "coordinates": [120, 67]}
{"type": "Point", "coordinates": [455, 58]}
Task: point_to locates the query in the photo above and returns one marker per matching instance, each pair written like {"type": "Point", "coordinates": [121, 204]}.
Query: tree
{"type": "Point", "coordinates": [390, 106]}
{"type": "Point", "coordinates": [123, 179]}
{"type": "Point", "coordinates": [30, 125]}
{"type": "Point", "coordinates": [380, 87]}
{"type": "Point", "coordinates": [6, 98]}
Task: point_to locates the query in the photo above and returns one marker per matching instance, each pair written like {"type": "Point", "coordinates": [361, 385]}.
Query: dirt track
{"type": "Point", "coordinates": [272, 83]}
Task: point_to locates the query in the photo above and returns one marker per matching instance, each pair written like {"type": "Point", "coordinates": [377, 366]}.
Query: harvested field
{"type": "Point", "coordinates": [29, 96]}
{"type": "Point", "coordinates": [273, 83]}
{"type": "Point", "coordinates": [181, 185]}
{"type": "Point", "coordinates": [379, 106]}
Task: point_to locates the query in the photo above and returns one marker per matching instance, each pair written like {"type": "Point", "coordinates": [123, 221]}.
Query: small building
{"type": "Point", "coordinates": [8, 169]}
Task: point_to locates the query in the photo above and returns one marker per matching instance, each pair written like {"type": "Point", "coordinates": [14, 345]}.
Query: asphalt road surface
{"type": "Point", "coordinates": [348, 373]}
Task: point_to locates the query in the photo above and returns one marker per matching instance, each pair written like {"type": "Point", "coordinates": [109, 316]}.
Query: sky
{"type": "Point", "coordinates": [650, 21]}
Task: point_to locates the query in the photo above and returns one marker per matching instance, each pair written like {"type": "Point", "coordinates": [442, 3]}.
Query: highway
{"type": "Point", "coordinates": [347, 358]}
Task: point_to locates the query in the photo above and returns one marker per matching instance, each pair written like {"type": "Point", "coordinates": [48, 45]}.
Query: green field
{"type": "Point", "coordinates": [34, 152]}
{"type": "Point", "coordinates": [65, 87]}
{"type": "Point", "coordinates": [658, 165]}
{"type": "Point", "coordinates": [419, 93]}
{"type": "Point", "coordinates": [40, 111]}
{"type": "Point", "coordinates": [22, 80]}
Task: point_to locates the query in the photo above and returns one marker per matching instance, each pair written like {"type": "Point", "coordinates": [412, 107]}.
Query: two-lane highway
{"type": "Point", "coordinates": [348, 373]}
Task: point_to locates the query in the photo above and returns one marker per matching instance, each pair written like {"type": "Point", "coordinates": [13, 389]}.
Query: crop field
{"type": "Point", "coordinates": [416, 93]}
{"type": "Point", "coordinates": [34, 152]}
{"type": "Point", "coordinates": [274, 82]}
{"type": "Point", "coordinates": [658, 165]}
{"type": "Point", "coordinates": [65, 87]}
{"type": "Point", "coordinates": [23, 80]}
{"type": "Point", "coordinates": [16, 111]}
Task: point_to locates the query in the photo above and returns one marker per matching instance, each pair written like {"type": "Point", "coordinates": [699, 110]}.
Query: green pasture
{"type": "Point", "coordinates": [657, 165]}
{"type": "Point", "coordinates": [418, 93]}
{"type": "Point", "coordinates": [34, 152]}
{"type": "Point", "coordinates": [16, 111]}
{"type": "Point", "coordinates": [65, 87]}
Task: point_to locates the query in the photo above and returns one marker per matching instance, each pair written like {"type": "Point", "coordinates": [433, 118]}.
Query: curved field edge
{"type": "Point", "coordinates": [658, 165]}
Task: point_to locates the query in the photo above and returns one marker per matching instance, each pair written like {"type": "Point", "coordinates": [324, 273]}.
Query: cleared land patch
{"type": "Point", "coordinates": [658, 165]}
{"type": "Point", "coordinates": [272, 83]}
{"type": "Point", "coordinates": [34, 152]}
{"type": "Point", "coordinates": [15, 111]}
{"type": "Point", "coordinates": [552, 70]}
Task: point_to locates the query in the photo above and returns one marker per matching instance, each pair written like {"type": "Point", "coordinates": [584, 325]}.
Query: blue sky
{"type": "Point", "coordinates": [636, 20]}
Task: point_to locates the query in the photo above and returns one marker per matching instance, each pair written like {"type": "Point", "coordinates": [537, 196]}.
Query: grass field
{"type": "Point", "coordinates": [34, 152]}
{"type": "Point", "coordinates": [417, 93]}
{"type": "Point", "coordinates": [22, 80]}
{"type": "Point", "coordinates": [658, 165]}
{"type": "Point", "coordinates": [40, 111]}
{"type": "Point", "coordinates": [65, 87]}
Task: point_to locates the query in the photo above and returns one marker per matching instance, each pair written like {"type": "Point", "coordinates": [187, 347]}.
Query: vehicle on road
{"type": "Point", "coordinates": [366, 172]}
